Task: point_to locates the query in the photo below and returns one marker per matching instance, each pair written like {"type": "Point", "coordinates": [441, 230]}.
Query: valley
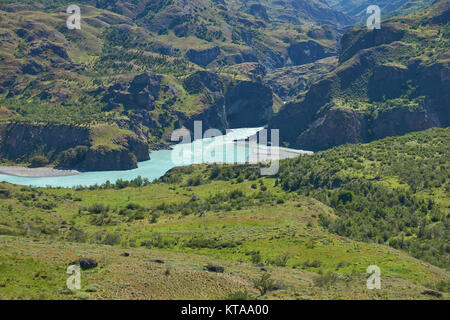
{"type": "Point", "coordinates": [91, 176]}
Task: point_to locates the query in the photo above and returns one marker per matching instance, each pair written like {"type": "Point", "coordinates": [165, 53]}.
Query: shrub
{"type": "Point", "coordinates": [112, 238]}
{"type": "Point", "coordinates": [443, 286]}
{"type": "Point", "coordinates": [326, 280]}
{"type": "Point", "coordinates": [98, 208]}
{"type": "Point", "coordinates": [76, 235]}
{"type": "Point", "coordinates": [313, 264]}
{"type": "Point", "coordinates": [256, 257]}
{"type": "Point", "coordinates": [238, 295]}
{"type": "Point", "coordinates": [38, 161]}
{"type": "Point", "coordinates": [195, 181]}
{"type": "Point", "coordinates": [264, 283]}
{"type": "Point", "coordinates": [279, 261]}
{"type": "Point", "coordinates": [93, 288]}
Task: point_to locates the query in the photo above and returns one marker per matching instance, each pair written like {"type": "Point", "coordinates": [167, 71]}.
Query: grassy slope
{"type": "Point", "coordinates": [36, 270]}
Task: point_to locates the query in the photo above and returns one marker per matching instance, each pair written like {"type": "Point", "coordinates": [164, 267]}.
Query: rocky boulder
{"type": "Point", "coordinates": [86, 263]}
{"type": "Point", "coordinates": [216, 269]}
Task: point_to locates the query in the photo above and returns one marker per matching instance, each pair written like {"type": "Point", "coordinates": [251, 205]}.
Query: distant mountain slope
{"type": "Point", "coordinates": [389, 8]}
{"type": "Point", "coordinates": [152, 66]}
{"type": "Point", "coordinates": [389, 82]}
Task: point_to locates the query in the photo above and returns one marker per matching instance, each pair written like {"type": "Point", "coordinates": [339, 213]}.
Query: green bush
{"type": "Point", "coordinates": [98, 208]}
{"type": "Point", "coordinates": [112, 238]}
{"type": "Point", "coordinates": [38, 161]}
{"type": "Point", "coordinates": [326, 280]}
{"type": "Point", "coordinates": [264, 283]}
{"type": "Point", "coordinates": [279, 261]}
{"type": "Point", "coordinates": [238, 296]}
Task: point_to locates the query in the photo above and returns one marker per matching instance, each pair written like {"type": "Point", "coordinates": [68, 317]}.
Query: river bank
{"type": "Point", "coordinates": [228, 151]}
{"type": "Point", "coordinates": [26, 172]}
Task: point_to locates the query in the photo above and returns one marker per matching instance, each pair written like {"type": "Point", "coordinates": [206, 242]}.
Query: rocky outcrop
{"type": "Point", "coordinates": [356, 40]}
{"type": "Point", "coordinates": [104, 158]}
{"type": "Point", "coordinates": [33, 68]}
{"type": "Point", "coordinates": [138, 146]}
{"type": "Point", "coordinates": [23, 141]}
{"type": "Point", "coordinates": [70, 147]}
{"type": "Point", "coordinates": [340, 126]}
{"type": "Point", "coordinates": [44, 47]}
{"type": "Point", "coordinates": [289, 82]}
{"type": "Point", "coordinates": [248, 104]}
{"type": "Point", "coordinates": [228, 103]}
{"type": "Point", "coordinates": [203, 57]}
{"type": "Point", "coordinates": [382, 87]}
{"type": "Point", "coordinates": [124, 155]}
{"type": "Point", "coordinates": [258, 11]}
{"type": "Point", "coordinates": [141, 93]}
{"type": "Point", "coordinates": [308, 51]}
{"type": "Point", "coordinates": [315, 123]}
{"type": "Point", "coordinates": [203, 80]}
{"type": "Point", "coordinates": [211, 88]}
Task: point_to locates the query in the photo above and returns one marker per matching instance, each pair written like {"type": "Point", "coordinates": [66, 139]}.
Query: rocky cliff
{"type": "Point", "coordinates": [70, 147]}
{"type": "Point", "coordinates": [229, 103]}
{"type": "Point", "coordinates": [381, 88]}
{"type": "Point", "coordinates": [23, 141]}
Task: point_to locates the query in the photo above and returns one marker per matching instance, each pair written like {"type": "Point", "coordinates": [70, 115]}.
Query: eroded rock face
{"type": "Point", "coordinates": [138, 146]}
{"type": "Point", "coordinates": [203, 57]}
{"type": "Point", "coordinates": [289, 82]}
{"type": "Point", "coordinates": [323, 130]}
{"type": "Point", "coordinates": [23, 141]}
{"type": "Point", "coordinates": [103, 158]}
{"type": "Point", "coordinates": [248, 104]}
{"type": "Point", "coordinates": [388, 34]}
{"type": "Point", "coordinates": [338, 126]}
{"type": "Point", "coordinates": [307, 52]}
{"type": "Point", "coordinates": [229, 103]}
{"type": "Point", "coordinates": [123, 156]}
{"type": "Point", "coordinates": [70, 147]}
{"type": "Point", "coordinates": [367, 98]}
{"type": "Point", "coordinates": [142, 93]}
{"type": "Point", "coordinates": [259, 11]}
{"type": "Point", "coordinates": [201, 80]}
